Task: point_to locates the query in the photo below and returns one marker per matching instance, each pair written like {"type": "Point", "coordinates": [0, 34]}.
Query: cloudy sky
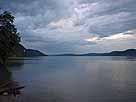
{"type": "Point", "coordinates": [74, 26]}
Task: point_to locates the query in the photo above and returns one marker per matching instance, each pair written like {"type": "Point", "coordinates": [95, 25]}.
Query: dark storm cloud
{"type": "Point", "coordinates": [58, 26]}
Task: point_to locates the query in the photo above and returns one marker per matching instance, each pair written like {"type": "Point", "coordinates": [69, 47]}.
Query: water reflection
{"type": "Point", "coordinates": [77, 79]}
{"type": "Point", "coordinates": [5, 75]}
{"type": "Point", "coordinates": [122, 58]}
{"type": "Point", "coordinates": [10, 90]}
{"type": "Point", "coordinates": [16, 64]}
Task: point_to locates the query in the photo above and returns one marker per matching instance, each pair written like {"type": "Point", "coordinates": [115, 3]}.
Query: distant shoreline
{"type": "Point", "coordinates": [128, 52]}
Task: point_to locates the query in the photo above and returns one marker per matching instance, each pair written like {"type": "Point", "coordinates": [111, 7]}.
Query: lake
{"type": "Point", "coordinates": [76, 79]}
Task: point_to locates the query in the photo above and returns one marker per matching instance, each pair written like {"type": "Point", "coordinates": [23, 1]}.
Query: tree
{"type": "Point", "coordinates": [9, 37]}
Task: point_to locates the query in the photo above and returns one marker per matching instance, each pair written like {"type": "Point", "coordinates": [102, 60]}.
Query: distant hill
{"type": "Point", "coordinates": [128, 52]}
{"type": "Point", "coordinates": [31, 53]}
{"type": "Point", "coordinates": [21, 51]}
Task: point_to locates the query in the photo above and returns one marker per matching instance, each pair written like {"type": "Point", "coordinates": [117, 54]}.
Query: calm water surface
{"type": "Point", "coordinates": [76, 79]}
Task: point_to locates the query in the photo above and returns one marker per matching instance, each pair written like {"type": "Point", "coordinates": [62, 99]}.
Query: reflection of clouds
{"type": "Point", "coordinates": [123, 81]}
{"type": "Point", "coordinates": [78, 79]}
{"type": "Point", "coordinates": [120, 76]}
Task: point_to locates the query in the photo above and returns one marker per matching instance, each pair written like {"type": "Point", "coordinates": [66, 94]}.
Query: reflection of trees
{"type": "Point", "coordinates": [16, 64]}
{"type": "Point", "coordinates": [5, 74]}
{"type": "Point", "coordinates": [8, 87]}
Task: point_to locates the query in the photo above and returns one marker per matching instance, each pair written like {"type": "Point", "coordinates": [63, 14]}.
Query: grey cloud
{"type": "Point", "coordinates": [100, 17]}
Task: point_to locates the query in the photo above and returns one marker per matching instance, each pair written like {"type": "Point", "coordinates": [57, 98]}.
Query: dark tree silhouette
{"type": "Point", "coordinates": [9, 37]}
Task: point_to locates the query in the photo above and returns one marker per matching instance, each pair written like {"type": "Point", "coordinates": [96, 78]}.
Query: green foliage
{"type": "Point", "coordinates": [9, 37]}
